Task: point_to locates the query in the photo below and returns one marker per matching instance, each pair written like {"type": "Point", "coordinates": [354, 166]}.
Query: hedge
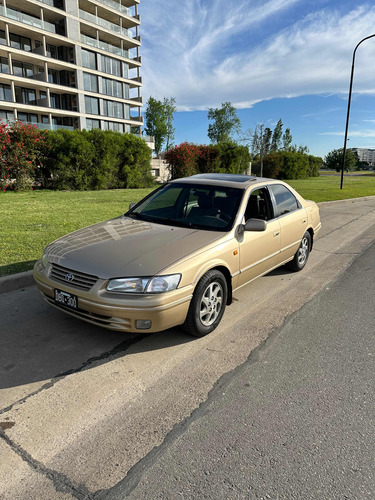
{"type": "Point", "coordinates": [75, 160]}
{"type": "Point", "coordinates": [189, 159]}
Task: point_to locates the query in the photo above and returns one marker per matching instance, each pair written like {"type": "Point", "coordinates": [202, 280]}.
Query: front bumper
{"type": "Point", "coordinates": [117, 311]}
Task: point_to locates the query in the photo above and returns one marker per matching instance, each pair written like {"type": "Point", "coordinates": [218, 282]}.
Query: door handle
{"type": "Point", "coordinates": [276, 233]}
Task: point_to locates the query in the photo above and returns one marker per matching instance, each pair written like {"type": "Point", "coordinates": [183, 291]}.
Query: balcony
{"type": "Point", "coordinates": [58, 4]}
{"type": "Point", "coordinates": [26, 19]}
{"type": "Point", "coordinates": [107, 47]}
{"type": "Point", "coordinates": [115, 5]}
{"type": "Point", "coordinates": [49, 126]}
{"type": "Point", "coordinates": [98, 21]}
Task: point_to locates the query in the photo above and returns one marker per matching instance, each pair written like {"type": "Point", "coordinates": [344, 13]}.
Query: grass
{"type": "Point", "coordinates": [31, 220]}
{"type": "Point", "coordinates": [328, 188]}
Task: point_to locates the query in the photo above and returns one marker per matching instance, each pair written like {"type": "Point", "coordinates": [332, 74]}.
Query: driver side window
{"type": "Point", "coordinates": [258, 206]}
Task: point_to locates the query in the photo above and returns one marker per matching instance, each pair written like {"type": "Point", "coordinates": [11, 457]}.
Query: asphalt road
{"type": "Point", "coordinates": [82, 409]}
{"type": "Point", "coordinates": [296, 420]}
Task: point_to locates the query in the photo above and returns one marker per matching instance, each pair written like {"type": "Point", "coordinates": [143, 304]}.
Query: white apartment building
{"type": "Point", "coordinates": [71, 63]}
{"type": "Point", "coordinates": [367, 155]}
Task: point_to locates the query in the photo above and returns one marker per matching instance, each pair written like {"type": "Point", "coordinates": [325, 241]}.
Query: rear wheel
{"type": "Point", "coordinates": [302, 254]}
{"type": "Point", "coordinates": [207, 305]}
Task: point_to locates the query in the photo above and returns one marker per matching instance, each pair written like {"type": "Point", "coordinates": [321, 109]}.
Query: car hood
{"type": "Point", "coordinates": [124, 247]}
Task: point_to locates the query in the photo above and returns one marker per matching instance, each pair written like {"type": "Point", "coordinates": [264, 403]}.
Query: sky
{"type": "Point", "coordinates": [272, 59]}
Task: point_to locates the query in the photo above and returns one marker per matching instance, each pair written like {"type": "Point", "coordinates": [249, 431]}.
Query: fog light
{"type": "Point", "coordinates": [143, 324]}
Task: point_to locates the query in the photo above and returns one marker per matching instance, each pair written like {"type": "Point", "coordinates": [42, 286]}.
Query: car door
{"type": "Point", "coordinates": [292, 218]}
{"type": "Point", "coordinates": [259, 250]}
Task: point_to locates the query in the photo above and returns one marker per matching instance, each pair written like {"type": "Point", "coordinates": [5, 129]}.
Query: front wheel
{"type": "Point", "coordinates": [302, 254]}
{"type": "Point", "coordinates": [207, 305]}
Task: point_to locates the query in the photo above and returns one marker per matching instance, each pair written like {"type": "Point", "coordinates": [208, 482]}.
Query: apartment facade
{"type": "Point", "coordinates": [71, 63]}
{"type": "Point", "coordinates": [365, 155]}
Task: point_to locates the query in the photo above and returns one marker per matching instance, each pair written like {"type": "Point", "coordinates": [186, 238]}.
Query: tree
{"type": "Point", "coordinates": [276, 136]}
{"type": "Point", "coordinates": [260, 143]}
{"type": "Point", "coordinates": [169, 109]}
{"type": "Point", "coordinates": [225, 123]}
{"type": "Point", "coordinates": [333, 160]}
{"type": "Point", "coordinates": [287, 140]}
{"type": "Point", "coordinates": [159, 121]}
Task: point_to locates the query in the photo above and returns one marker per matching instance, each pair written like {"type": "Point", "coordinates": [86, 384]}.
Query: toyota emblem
{"type": "Point", "coordinates": [69, 277]}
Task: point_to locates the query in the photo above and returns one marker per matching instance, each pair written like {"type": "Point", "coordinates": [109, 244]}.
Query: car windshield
{"type": "Point", "coordinates": [190, 205]}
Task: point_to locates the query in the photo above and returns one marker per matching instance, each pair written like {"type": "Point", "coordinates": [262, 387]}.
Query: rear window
{"type": "Point", "coordinates": [285, 200]}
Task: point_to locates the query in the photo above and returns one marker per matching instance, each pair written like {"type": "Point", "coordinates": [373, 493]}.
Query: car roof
{"type": "Point", "coordinates": [228, 180]}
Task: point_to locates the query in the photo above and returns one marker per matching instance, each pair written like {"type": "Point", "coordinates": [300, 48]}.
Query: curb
{"type": "Point", "coordinates": [25, 279]}
{"type": "Point", "coordinates": [347, 200]}
{"type": "Point", "coordinates": [16, 281]}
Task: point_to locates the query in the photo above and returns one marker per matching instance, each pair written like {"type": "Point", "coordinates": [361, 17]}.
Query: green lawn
{"type": "Point", "coordinates": [31, 220]}
{"type": "Point", "coordinates": [327, 188]}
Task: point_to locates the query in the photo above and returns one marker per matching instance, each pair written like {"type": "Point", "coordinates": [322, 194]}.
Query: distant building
{"type": "Point", "coordinates": [365, 155]}
{"type": "Point", "coordinates": [71, 64]}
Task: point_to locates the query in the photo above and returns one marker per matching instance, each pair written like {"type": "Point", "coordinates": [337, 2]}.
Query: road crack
{"type": "Point", "coordinates": [117, 350]}
{"type": "Point", "coordinates": [61, 482]}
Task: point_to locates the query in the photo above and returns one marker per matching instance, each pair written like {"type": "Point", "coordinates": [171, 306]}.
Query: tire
{"type": "Point", "coordinates": [301, 256]}
{"type": "Point", "coordinates": [207, 305]}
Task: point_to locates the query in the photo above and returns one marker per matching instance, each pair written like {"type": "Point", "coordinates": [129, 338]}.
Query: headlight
{"type": "Point", "coordinates": [157, 284]}
{"type": "Point", "coordinates": [44, 260]}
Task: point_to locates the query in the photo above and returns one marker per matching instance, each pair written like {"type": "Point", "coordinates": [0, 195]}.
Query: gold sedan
{"type": "Point", "coordinates": [176, 257]}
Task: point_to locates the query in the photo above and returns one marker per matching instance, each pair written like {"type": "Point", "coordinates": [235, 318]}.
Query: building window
{"type": "Point", "coordinates": [110, 66]}
{"type": "Point", "coordinates": [51, 51]}
{"type": "Point", "coordinates": [111, 87]}
{"type": "Point", "coordinates": [88, 59]}
{"type": "Point", "coordinates": [27, 117]}
{"type": "Point", "coordinates": [26, 70]}
{"type": "Point", "coordinates": [25, 96]}
{"type": "Point", "coordinates": [5, 93]}
{"type": "Point", "coordinates": [20, 42]}
{"type": "Point", "coordinates": [43, 99]}
{"type": "Point", "coordinates": [90, 82]}
{"type": "Point", "coordinates": [53, 76]}
{"type": "Point", "coordinates": [115, 126]}
{"type": "Point", "coordinates": [7, 116]}
{"type": "Point", "coordinates": [92, 123]}
{"type": "Point", "coordinates": [126, 70]}
{"type": "Point", "coordinates": [113, 109]}
{"type": "Point", "coordinates": [55, 101]}
{"type": "Point", "coordinates": [3, 40]}
{"type": "Point", "coordinates": [4, 65]}
{"type": "Point", "coordinates": [91, 105]}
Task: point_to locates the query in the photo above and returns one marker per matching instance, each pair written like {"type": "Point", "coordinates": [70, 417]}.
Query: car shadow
{"type": "Point", "coordinates": [39, 343]}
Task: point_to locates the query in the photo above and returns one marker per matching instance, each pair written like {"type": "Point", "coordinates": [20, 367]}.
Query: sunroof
{"type": "Point", "coordinates": [226, 177]}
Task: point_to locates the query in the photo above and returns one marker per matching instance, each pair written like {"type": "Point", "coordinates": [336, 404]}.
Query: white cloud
{"type": "Point", "coordinates": [206, 52]}
{"type": "Point", "coordinates": [356, 133]}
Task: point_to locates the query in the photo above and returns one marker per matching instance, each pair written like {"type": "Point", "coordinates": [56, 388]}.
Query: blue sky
{"type": "Point", "coordinates": [288, 59]}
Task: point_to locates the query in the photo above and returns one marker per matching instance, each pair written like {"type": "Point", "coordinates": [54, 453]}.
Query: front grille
{"type": "Point", "coordinates": [81, 281]}
{"type": "Point", "coordinates": [112, 323]}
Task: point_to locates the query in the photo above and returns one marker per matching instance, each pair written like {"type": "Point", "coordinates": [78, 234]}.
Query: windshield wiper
{"type": "Point", "coordinates": [139, 215]}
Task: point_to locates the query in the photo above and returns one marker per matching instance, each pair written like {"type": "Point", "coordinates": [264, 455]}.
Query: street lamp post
{"type": "Point", "coordinates": [347, 114]}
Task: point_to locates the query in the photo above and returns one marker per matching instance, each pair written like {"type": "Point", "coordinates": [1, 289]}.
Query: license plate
{"type": "Point", "coordinates": [66, 299]}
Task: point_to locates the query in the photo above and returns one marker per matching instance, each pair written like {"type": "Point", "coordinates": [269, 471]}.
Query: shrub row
{"type": "Point", "coordinates": [77, 160]}
{"type": "Point", "coordinates": [289, 165]}
{"type": "Point", "coordinates": [189, 159]}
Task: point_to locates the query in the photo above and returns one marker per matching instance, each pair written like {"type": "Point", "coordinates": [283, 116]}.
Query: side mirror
{"type": "Point", "coordinates": [131, 205]}
{"type": "Point", "coordinates": [255, 225]}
